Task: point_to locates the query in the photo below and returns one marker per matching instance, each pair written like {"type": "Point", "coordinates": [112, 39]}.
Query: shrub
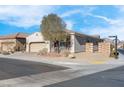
{"type": "Point", "coordinates": [43, 51]}
{"type": "Point", "coordinates": [72, 56]}
{"type": "Point", "coordinates": [5, 53]}
{"type": "Point", "coordinates": [65, 53]}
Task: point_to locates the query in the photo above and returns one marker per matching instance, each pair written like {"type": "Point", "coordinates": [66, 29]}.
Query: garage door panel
{"type": "Point", "coordinates": [36, 47]}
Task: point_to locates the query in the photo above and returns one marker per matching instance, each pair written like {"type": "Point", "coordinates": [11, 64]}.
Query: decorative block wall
{"type": "Point", "coordinates": [104, 47]}
{"type": "Point", "coordinates": [89, 47]}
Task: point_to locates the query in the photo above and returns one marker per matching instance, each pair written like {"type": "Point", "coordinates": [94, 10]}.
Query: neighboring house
{"type": "Point", "coordinates": [36, 42]}
{"type": "Point", "coordinates": [108, 40]}
{"type": "Point", "coordinates": [120, 44]}
{"type": "Point", "coordinates": [14, 42]}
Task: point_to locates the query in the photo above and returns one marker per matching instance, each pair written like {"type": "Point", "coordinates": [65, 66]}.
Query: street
{"type": "Point", "coordinates": [12, 68]}
{"type": "Point", "coordinates": [121, 51]}
{"type": "Point", "coordinates": [16, 71]}
{"type": "Point", "coordinates": [109, 78]}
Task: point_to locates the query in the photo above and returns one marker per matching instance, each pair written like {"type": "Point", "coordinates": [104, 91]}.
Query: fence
{"type": "Point", "coordinates": [101, 47]}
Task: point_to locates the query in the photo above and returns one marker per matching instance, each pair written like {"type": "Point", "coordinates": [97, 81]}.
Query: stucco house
{"type": "Point", "coordinates": [36, 42]}
{"type": "Point", "coordinates": [13, 42]}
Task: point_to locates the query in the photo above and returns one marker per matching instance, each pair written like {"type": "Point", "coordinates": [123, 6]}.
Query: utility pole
{"type": "Point", "coordinates": [116, 53]}
{"type": "Point", "coordinates": [116, 38]}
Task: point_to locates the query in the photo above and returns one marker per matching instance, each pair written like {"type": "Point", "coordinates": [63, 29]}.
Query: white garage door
{"type": "Point", "coordinates": [36, 47]}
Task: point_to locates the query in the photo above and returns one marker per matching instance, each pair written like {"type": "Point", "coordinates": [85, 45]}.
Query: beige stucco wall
{"type": "Point", "coordinates": [7, 44]}
{"type": "Point", "coordinates": [37, 37]}
{"type": "Point", "coordinates": [12, 44]}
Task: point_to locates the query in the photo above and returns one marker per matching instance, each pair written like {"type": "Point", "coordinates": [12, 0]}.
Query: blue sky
{"type": "Point", "coordinates": [104, 20]}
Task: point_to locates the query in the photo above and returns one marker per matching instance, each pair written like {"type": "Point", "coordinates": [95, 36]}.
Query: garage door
{"type": "Point", "coordinates": [8, 46]}
{"type": "Point", "coordinates": [36, 47]}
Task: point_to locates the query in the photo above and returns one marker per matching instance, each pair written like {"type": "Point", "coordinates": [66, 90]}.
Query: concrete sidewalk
{"type": "Point", "coordinates": [77, 69]}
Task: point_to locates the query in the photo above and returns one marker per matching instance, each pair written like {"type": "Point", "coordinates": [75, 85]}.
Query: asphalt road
{"type": "Point", "coordinates": [12, 68]}
{"type": "Point", "coordinates": [108, 78]}
{"type": "Point", "coordinates": [121, 51]}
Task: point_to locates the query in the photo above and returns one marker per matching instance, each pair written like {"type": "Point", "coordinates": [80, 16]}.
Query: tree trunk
{"type": "Point", "coordinates": [56, 46]}
{"type": "Point", "coordinates": [57, 43]}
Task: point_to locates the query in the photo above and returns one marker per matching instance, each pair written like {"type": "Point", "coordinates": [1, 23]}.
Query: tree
{"type": "Point", "coordinates": [53, 29]}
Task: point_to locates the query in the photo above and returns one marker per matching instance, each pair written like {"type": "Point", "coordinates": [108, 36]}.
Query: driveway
{"type": "Point", "coordinates": [12, 68]}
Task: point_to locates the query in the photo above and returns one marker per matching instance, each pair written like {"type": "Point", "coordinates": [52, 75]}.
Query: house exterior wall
{"type": "Point", "coordinates": [7, 44]}
{"type": "Point", "coordinates": [37, 37]}
{"type": "Point", "coordinates": [12, 44]}
{"type": "Point", "coordinates": [72, 47]}
{"type": "Point", "coordinates": [78, 43]}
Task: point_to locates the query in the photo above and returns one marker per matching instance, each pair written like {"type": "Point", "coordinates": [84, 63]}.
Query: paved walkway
{"type": "Point", "coordinates": [77, 69]}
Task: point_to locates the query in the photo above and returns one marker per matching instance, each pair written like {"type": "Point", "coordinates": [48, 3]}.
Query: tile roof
{"type": "Point", "coordinates": [14, 36]}
{"type": "Point", "coordinates": [81, 34]}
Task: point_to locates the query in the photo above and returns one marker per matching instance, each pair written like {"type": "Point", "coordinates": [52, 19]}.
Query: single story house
{"type": "Point", "coordinates": [13, 42]}
{"type": "Point", "coordinates": [36, 42]}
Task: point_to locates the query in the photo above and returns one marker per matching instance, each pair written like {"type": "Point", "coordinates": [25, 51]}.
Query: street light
{"type": "Point", "coordinates": [116, 53]}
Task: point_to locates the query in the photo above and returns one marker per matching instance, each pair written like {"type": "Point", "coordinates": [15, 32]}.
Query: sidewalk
{"type": "Point", "coordinates": [81, 58]}
{"type": "Point", "coordinates": [56, 60]}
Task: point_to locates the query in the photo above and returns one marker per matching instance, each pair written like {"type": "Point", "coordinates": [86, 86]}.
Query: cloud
{"type": "Point", "coordinates": [120, 7]}
{"type": "Point", "coordinates": [108, 20]}
{"type": "Point", "coordinates": [69, 24]}
{"type": "Point", "coordinates": [115, 25]}
{"type": "Point", "coordinates": [105, 32]}
{"type": "Point", "coordinates": [24, 16]}
{"type": "Point", "coordinates": [69, 13]}
{"type": "Point", "coordinates": [84, 11]}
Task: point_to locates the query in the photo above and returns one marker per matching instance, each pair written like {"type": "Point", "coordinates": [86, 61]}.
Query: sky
{"type": "Point", "coordinates": [103, 20]}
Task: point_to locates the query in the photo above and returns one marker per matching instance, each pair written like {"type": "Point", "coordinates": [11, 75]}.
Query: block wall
{"type": "Point", "coordinates": [89, 47]}
{"type": "Point", "coordinates": [104, 48]}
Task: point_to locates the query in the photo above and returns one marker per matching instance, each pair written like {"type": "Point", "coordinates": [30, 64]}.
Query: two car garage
{"type": "Point", "coordinates": [37, 46]}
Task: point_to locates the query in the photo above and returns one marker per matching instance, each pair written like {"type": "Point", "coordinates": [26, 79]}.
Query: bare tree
{"type": "Point", "coordinates": [53, 29]}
